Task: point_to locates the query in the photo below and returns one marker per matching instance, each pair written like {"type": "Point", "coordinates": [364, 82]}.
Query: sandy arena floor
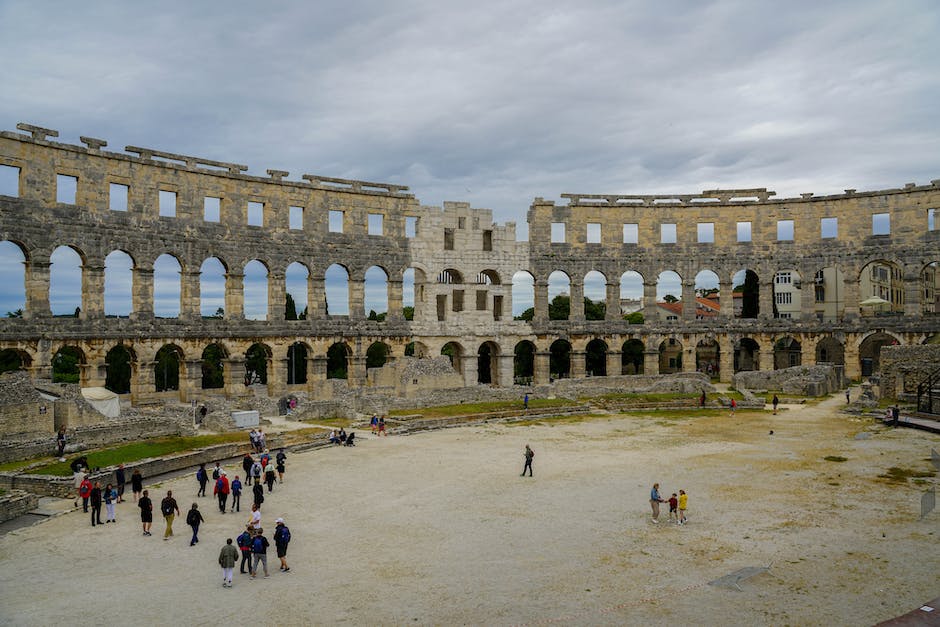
{"type": "Point", "coordinates": [439, 528]}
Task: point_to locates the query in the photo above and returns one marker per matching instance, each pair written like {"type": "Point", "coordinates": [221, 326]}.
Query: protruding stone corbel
{"type": "Point", "coordinates": [277, 175]}
{"type": "Point", "coordinates": [93, 143]}
{"type": "Point", "coordinates": [38, 132]}
{"type": "Point", "coordinates": [806, 195]}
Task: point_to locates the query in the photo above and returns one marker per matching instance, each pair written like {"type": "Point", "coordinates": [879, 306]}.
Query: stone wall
{"type": "Point", "coordinates": [16, 503]}
{"type": "Point", "coordinates": [800, 380]}
{"type": "Point", "coordinates": [903, 368]}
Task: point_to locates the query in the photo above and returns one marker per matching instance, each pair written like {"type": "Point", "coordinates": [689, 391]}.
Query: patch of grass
{"type": "Point", "coordinates": [11, 466]}
{"type": "Point", "coordinates": [835, 458]}
{"type": "Point", "coordinates": [462, 409]}
{"type": "Point", "coordinates": [141, 450]}
{"type": "Point", "coordinates": [330, 422]}
{"type": "Point", "coordinates": [901, 475]}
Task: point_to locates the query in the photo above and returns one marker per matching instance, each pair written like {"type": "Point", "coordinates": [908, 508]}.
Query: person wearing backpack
{"type": "Point", "coordinates": [244, 545]}
{"type": "Point", "coordinates": [259, 553]}
{"type": "Point", "coordinates": [203, 478]}
{"type": "Point", "coordinates": [170, 510]}
{"type": "Point", "coordinates": [221, 490]}
{"type": "Point", "coordinates": [194, 519]}
{"type": "Point", "coordinates": [281, 539]}
{"type": "Point", "coordinates": [236, 494]}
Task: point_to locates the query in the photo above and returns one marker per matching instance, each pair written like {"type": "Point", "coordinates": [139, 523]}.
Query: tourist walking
{"type": "Point", "coordinates": [216, 472]}
{"type": "Point", "coordinates": [121, 479]}
{"type": "Point", "coordinates": [137, 483]}
{"type": "Point", "coordinates": [374, 423]}
{"type": "Point", "coordinates": [734, 405]}
{"type": "Point", "coordinates": [255, 521]}
{"type": "Point", "coordinates": [256, 471]}
{"type": "Point", "coordinates": [775, 402]}
{"type": "Point", "coordinates": [221, 490]}
{"type": "Point", "coordinates": [529, 454]}
{"type": "Point", "coordinates": [60, 443]}
{"type": "Point", "coordinates": [84, 491]}
{"type": "Point", "coordinates": [194, 519]}
{"type": "Point", "coordinates": [244, 545]}
{"type": "Point", "coordinates": [236, 488]}
{"type": "Point", "coordinates": [655, 500]}
{"type": "Point", "coordinates": [525, 402]}
{"type": "Point", "coordinates": [202, 477]}
{"type": "Point", "coordinates": [281, 539]}
{"type": "Point", "coordinates": [258, 492]}
{"type": "Point", "coordinates": [146, 512]}
{"type": "Point", "coordinates": [247, 461]}
{"type": "Point", "coordinates": [259, 552]}
{"type": "Point", "coordinates": [382, 426]}
{"type": "Point", "coordinates": [227, 558]}
{"type": "Point", "coordinates": [269, 478]}
{"type": "Point", "coordinates": [95, 498]}
{"type": "Point", "coordinates": [281, 459]}
{"type": "Point", "coordinates": [683, 505]}
{"type": "Point", "coordinates": [110, 497]}
{"type": "Point", "coordinates": [170, 510]}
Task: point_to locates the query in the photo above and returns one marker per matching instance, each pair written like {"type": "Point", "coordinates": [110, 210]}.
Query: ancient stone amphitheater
{"type": "Point", "coordinates": [757, 282]}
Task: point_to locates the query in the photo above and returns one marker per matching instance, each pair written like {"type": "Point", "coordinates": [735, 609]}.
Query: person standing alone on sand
{"type": "Point", "coordinates": [146, 512]}
{"type": "Point", "coordinates": [137, 483]}
{"type": "Point", "coordinates": [529, 454]}
{"type": "Point", "coordinates": [227, 558]}
{"type": "Point", "coordinates": [775, 402]}
{"type": "Point", "coordinates": [655, 500]}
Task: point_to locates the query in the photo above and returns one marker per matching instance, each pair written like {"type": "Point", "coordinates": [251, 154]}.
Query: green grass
{"type": "Point", "coordinates": [141, 450]}
{"type": "Point", "coordinates": [463, 409]}
{"type": "Point", "coordinates": [11, 466]}
{"type": "Point", "coordinates": [835, 458]}
{"type": "Point", "coordinates": [901, 475]}
{"type": "Point", "coordinates": [329, 422]}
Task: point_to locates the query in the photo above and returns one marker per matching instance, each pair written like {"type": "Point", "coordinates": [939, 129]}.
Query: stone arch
{"type": "Point", "coordinates": [337, 361]}
{"type": "Point", "coordinates": [377, 354]}
{"type": "Point", "coordinates": [296, 298]}
{"type": "Point", "coordinates": [670, 356]}
{"type": "Point", "coordinates": [67, 365]}
{"type": "Point", "coordinates": [120, 369]}
{"type": "Point", "coordinates": [14, 359]}
{"type": "Point", "coordinates": [632, 356]}
{"type": "Point", "coordinates": [454, 351]}
{"type": "Point", "coordinates": [595, 358]}
{"type": "Point", "coordinates": [788, 352]}
{"type": "Point", "coordinates": [632, 295]}
{"type": "Point", "coordinates": [66, 281]}
{"type": "Point", "coordinates": [213, 366]}
{"type": "Point", "coordinates": [595, 295]}
{"type": "Point", "coordinates": [869, 351]}
{"type": "Point", "coordinates": [167, 286]}
{"type": "Point", "coordinates": [212, 274]}
{"type": "Point", "coordinates": [560, 359]}
{"type": "Point", "coordinates": [523, 295]}
{"type": "Point", "coordinates": [746, 355]}
{"type": "Point", "coordinates": [13, 268]}
{"type": "Point", "coordinates": [166, 368]}
{"type": "Point", "coordinates": [523, 362]}
{"type": "Point", "coordinates": [297, 354]}
{"type": "Point", "coordinates": [829, 350]}
{"type": "Point", "coordinates": [930, 288]}
{"type": "Point", "coordinates": [488, 363]}
{"type": "Point", "coordinates": [376, 293]}
{"type": "Point", "coordinates": [881, 280]}
{"type": "Point", "coordinates": [745, 293]}
{"type": "Point", "coordinates": [449, 276]}
{"type": "Point", "coordinates": [409, 292]}
{"type": "Point", "coordinates": [708, 357]}
{"type": "Point", "coordinates": [255, 301]}
{"type": "Point", "coordinates": [257, 363]}
{"type": "Point", "coordinates": [419, 349]}
{"type": "Point", "coordinates": [559, 295]}
{"type": "Point", "coordinates": [488, 277]}
{"type": "Point", "coordinates": [336, 280]}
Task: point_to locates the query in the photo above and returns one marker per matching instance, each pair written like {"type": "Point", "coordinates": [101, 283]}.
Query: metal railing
{"type": "Point", "coordinates": [928, 394]}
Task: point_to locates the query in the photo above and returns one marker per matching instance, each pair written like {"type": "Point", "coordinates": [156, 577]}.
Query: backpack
{"type": "Point", "coordinates": [257, 545]}
{"type": "Point", "coordinates": [167, 508]}
{"type": "Point", "coordinates": [215, 473]}
{"type": "Point", "coordinates": [191, 517]}
{"type": "Point", "coordinates": [243, 540]}
{"type": "Point", "coordinates": [284, 535]}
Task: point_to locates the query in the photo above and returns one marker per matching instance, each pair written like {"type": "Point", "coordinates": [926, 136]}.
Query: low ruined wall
{"type": "Point", "coordinates": [904, 367]}
{"type": "Point", "coordinates": [801, 380]}
{"type": "Point", "coordinates": [16, 503]}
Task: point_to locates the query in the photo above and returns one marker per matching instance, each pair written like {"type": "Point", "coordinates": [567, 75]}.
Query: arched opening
{"type": "Point", "coordinates": [65, 282]}
{"type": "Point", "coordinates": [376, 293]}
{"type": "Point", "coordinates": [488, 363]}
{"type": "Point", "coordinates": [559, 296]}
{"type": "Point", "coordinates": [213, 368]}
{"type": "Point", "coordinates": [595, 358]}
{"type": "Point", "coordinates": [488, 277]}
{"type": "Point", "coordinates": [707, 301]}
{"type": "Point", "coordinates": [670, 356]}
{"type": "Point", "coordinates": [930, 289]}
{"type": "Point", "coordinates": [454, 352]}
{"type": "Point", "coordinates": [12, 359]}
{"type": "Point", "coordinates": [708, 357]}
{"type": "Point", "coordinates": [212, 288]}
{"type": "Point", "coordinates": [830, 351]}
{"type": "Point", "coordinates": [559, 360]}
{"type": "Point", "coordinates": [408, 291]}
{"type": "Point", "coordinates": [881, 289]}
{"type": "Point", "coordinates": [13, 271]}
{"type": "Point", "coordinates": [523, 363]}
{"type": "Point", "coordinates": [336, 285]}
{"type": "Point", "coordinates": [377, 354]}
{"type": "Point", "coordinates": [595, 296]}
{"type": "Point", "coordinates": [787, 353]}
{"type": "Point", "coordinates": [745, 292]}
{"type": "Point", "coordinates": [631, 357]}
{"type": "Point", "coordinates": [746, 355]}
{"type": "Point", "coordinates": [256, 290]}
{"type": "Point", "coordinates": [829, 294]}
{"type": "Point", "coordinates": [787, 294]}
{"type": "Point", "coordinates": [256, 364]}
{"type": "Point", "coordinates": [523, 296]}
{"type": "Point", "coordinates": [295, 287]}
{"type": "Point", "coordinates": [450, 276]}
{"type": "Point", "coordinates": [118, 367]}
{"type": "Point", "coordinates": [66, 365]}
{"type": "Point", "coordinates": [296, 364]}
{"type": "Point", "coordinates": [167, 293]}
{"type": "Point", "coordinates": [631, 297]}
{"type": "Point", "coordinates": [118, 284]}
{"type": "Point", "coordinates": [166, 368]}
{"type": "Point", "coordinates": [669, 296]}
{"type": "Point", "coordinates": [337, 361]}
{"type": "Point", "coordinates": [869, 352]}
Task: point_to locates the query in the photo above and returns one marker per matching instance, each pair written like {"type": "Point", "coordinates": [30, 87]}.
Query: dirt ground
{"type": "Point", "coordinates": [439, 528]}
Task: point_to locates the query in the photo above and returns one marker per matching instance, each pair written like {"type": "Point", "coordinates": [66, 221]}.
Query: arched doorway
{"type": "Point", "coordinates": [560, 359]}
{"type": "Point", "coordinates": [523, 363]}
{"type": "Point", "coordinates": [708, 357]}
{"type": "Point", "coordinates": [256, 364]}
{"type": "Point", "coordinates": [213, 369]}
{"type": "Point", "coordinates": [454, 352]}
{"type": "Point", "coordinates": [166, 368]}
{"type": "Point", "coordinates": [745, 292]}
{"type": "Point", "coordinates": [66, 365]}
{"type": "Point", "coordinates": [118, 368]}
{"type": "Point", "coordinates": [377, 355]}
{"type": "Point", "coordinates": [787, 353]}
{"type": "Point", "coordinates": [595, 358]}
{"type": "Point", "coordinates": [631, 357]}
{"type": "Point", "coordinates": [488, 363]}
{"type": "Point", "coordinates": [670, 356]}
{"type": "Point", "coordinates": [297, 364]}
{"type": "Point", "coordinates": [746, 355]}
{"type": "Point", "coordinates": [12, 359]}
{"type": "Point", "coordinates": [830, 351]}
{"type": "Point", "coordinates": [337, 361]}
{"type": "Point", "coordinates": [869, 352]}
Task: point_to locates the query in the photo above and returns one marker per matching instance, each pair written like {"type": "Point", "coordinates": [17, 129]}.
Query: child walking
{"type": "Point", "coordinates": [683, 504]}
{"type": "Point", "coordinates": [673, 506]}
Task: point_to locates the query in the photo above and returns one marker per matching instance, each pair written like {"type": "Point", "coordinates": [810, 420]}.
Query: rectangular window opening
{"type": "Point", "coordinates": [881, 224]}
{"type": "Point", "coordinates": [706, 232]}
{"type": "Point", "coordinates": [829, 228]}
{"type": "Point", "coordinates": [497, 307]}
{"type": "Point", "coordinates": [376, 225]}
{"type": "Point", "coordinates": [558, 232]}
{"type": "Point", "coordinates": [448, 239]}
{"type": "Point", "coordinates": [441, 307]}
{"type": "Point", "coordinates": [744, 231]}
{"type": "Point", "coordinates": [631, 233]}
{"type": "Point", "coordinates": [593, 233]}
{"type": "Point", "coordinates": [295, 218]}
{"type": "Point", "coordinates": [255, 213]}
{"type": "Point", "coordinates": [667, 233]}
{"type": "Point", "coordinates": [411, 227]}
{"type": "Point", "coordinates": [784, 230]}
{"type": "Point", "coordinates": [167, 204]}
{"type": "Point", "coordinates": [336, 221]}
{"type": "Point", "coordinates": [461, 223]}
{"type": "Point", "coordinates": [931, 219]}
{"type": "Point", "coordinates": [212, 209]}
{"type": "Point", "coordinates": [458, 300]}
{"type": "Point", "coordinates": [481, 300]}
{"type": "Point", "coordinates": [487, 240]}
{"type": "Point", "coordinates": [9, 181]}
{"type": "Point", "coordinates": [66, 189]}
{"type": "Point", "coordinates": [117, 197]}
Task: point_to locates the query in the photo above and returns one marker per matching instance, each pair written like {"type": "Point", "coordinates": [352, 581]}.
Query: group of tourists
{"type": "Point", "coordinates": [259, 441]}
{"type": "Point", "coordinates": [93, 496]}
{"type": "Point", "coordinates": [678, 503]}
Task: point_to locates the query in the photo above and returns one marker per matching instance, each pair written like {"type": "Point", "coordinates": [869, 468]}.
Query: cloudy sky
{"type": "Point", "coordinates": [497, 102]}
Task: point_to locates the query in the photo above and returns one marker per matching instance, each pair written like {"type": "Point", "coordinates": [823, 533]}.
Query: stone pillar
{"type": "Point", "coordinates": [191, 380]}
{"type": "Point", "coordinates": [469, 363]}
{"type": "Point", "coordinates": [356, 371]}
{"type": "Point", "coordinates": [506, 376]}
{"type": "Point", "coordinates": [650, 309]}
{"type": "Point", "coordinates": [94, 372]}
{"type": "Point", "coordinates": [277, 296]}
{"type": "Point", "coordinates": [541, 301]}
{"type": "Point", "coordinates": [726, 299]}
{"type": "Point", "coordinates": [725, 359]}
{"type": "Point", "coordinates": [316, 297]}
{"type": "Point", "coordinates": [316, 378]}
{"type": "Point", "coordinates": [765, 300]}
{"type": "Point", "coordinates": [853, 366]}
{"type": "Point", "coordinates": [688, 301]}
{"type": "Point", "coordinates": [913, 293]}
{"type": "Point", "coordinates": [578, 369]}
{"type": "Point", "coordinates": [850, 289]}
{"type": "Point", "coordinates": [542, 367]}
{"type": "Point", "coordinates": [688, 359]}
{"type": "Point", "coordinates": [613, 302]}
{"type": "Point", "coordinates": [650, 362]}
{"type": "Point", "coordinates": [190, 295]}
{"type": "Point", "coordinates": [395, 300]}
{"type": "Point", "coordinates": [234, 375]}
{"type": "Point", "coordinates": [766, 357]}
{"type": "Point", "coordinates": [37, 289]}
{"type": "Point", "coordinates": [576, 313]}
{"type": "Point", "coordinates": [235, 299]}
{"type": "Point", "coordinates": [277, 376]}
{"type": "Point", "coordinates": [92, 292]}
{"type": "Point", "coordinates": [807, 294]}
{"type": "Point", "coordinates": [614, 363]}
{"type": "Point", "coordinates": [144, 383]}
{"type": "Point", "coordinates": [142, 290]}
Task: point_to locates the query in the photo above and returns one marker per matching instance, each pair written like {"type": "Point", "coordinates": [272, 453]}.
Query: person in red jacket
{"type": "Point", "coordinates": [221, 490]}
{"type": "Point", "coordinates": [84, 491]}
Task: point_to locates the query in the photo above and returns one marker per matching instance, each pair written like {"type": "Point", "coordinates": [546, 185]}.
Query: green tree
{"type": "Point", "coordinates": [10, 360]}
{"type": "Point", "coordinates": [594, 310]}
{"type": "Point", "coordinates": [65, 365]}
{"type": "Point", "coordinates": [256, 363]}
{"type": "Point", "coordinates": [526, 315]}
{"type": "Point", "coordinates": [336, 362]}
{"type": "Point", "coordinates": [15, 314]}
{"type": "Point", "coordinates": [290, 308]}
{"type": "Point", "coordinates": [408, 312]}
{"type": "Point", "coordinates": [377, 355]}
{"type": "Point", "coordinates": [559, 308]}
{"type": "Point", "coordinates": [219, 313]}
{"type": "Point", "coordinates": [377, 317]}
{"type": "Point", "coordinates": [669, 298]}
{"type": "Point", "coordinates": [634, 318]}
{"type": "Point", "coordinates": [166, 370]}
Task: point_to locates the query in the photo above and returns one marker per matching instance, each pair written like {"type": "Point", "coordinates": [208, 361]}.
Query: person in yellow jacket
{"type": "Point", "coordinates": [683, 504]}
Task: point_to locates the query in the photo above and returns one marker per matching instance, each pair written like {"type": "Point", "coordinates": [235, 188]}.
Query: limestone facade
{"type": "Point", "coordinates": [467, 270]}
